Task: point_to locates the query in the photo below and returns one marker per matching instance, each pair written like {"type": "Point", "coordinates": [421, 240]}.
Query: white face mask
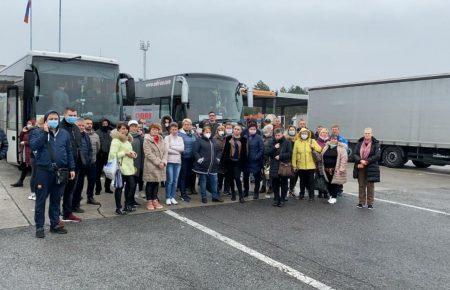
{"type": "Point", "coordinates": [207, 135]}
{"type": "Point", "coordinates": [291, 133]}
{"type": "Point", "coordinates": [221, 133]}
{"type": "Point", "coordinates": [229, 131]}
{"type": "Point", "coordinates": [304, 136]}
{"type": "Point", "coordinates": [252, 131]}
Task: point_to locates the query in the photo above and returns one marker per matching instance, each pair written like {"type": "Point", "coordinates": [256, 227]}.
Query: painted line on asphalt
{"type": "Point", "coordinates": [406, 205]}
{"type": "Point", "coordinates": [282, 267]}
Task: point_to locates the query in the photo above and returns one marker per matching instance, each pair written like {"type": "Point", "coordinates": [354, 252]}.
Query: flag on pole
{"type": "Point", "coordinates": [27, 13]}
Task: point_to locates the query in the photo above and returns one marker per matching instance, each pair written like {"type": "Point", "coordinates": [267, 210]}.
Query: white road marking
{"type": "Point", "coordinates": [405, 204]}
{"type": "Point", "coordinates": [282, 267]}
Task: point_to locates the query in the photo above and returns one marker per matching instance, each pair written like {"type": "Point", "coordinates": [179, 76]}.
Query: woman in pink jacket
{"type": "Point", "coordinates": [334, 169]}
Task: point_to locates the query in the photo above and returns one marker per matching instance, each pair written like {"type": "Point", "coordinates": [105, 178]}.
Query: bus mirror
{"type": "Point", "coordinates": [131, 93]}
{"type": "Point", "coordinates": [29, 83]}
{"type": "Point", "coordinates": [250, 98]}
{"type": "Point", "coordinates": [184, 89]}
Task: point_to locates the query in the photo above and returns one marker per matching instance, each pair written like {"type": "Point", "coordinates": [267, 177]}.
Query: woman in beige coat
{"type": "Point", "coordinates": [155, 163]}
{"type": "Point", "coordinates": [334, 169]}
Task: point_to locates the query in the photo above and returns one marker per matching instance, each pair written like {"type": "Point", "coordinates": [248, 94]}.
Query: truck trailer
{"type": "Point", "coordinates": [409, 116]}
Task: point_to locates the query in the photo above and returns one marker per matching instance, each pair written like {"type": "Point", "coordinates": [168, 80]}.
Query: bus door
{"type": "Point", "coordinates": [12, 118]}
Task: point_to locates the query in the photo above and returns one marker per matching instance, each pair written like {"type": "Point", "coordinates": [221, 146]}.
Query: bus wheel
{"type": "Point", "coordinates": [393, 157]}
{"type": "Point", "coordinates": [420, 164]}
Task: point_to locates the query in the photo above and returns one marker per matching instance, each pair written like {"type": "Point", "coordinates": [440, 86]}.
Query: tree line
{"type": "Point", "coordinates": [293, 89]}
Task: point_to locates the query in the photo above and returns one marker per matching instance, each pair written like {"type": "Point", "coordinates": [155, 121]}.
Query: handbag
{"type": "Point", "coordinates": [62, 174]}
{"type": "Point", "coordinates": [316, 156]}
{"type": "Point", "coordinates": [285, 169]}
{"type": "Point", "coordinates": [320, 183]}
{"type": "Point", "coordinates": [111, 168]}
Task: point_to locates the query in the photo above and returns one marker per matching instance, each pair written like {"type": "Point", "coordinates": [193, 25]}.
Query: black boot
{"type": "Point", "coordinates": [17, 184]}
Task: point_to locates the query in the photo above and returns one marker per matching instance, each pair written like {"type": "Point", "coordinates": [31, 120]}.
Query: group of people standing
{"type": "Point", "coordinates": [225, 158]}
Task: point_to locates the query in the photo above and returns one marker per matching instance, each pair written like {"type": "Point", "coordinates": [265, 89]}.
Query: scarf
{"type": "Point", "coordinates": [365, 149]}
{"type": "Point", "coordinates": [156, 139]}
{"type": "Point", "coordinates": [236, 146]}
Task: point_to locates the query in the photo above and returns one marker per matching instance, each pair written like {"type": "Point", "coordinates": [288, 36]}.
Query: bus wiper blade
{"type": "Point", "coordinates": [64, 59]}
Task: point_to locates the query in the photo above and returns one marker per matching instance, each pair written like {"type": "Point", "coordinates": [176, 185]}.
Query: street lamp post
{"type": "Point", "coordinates": [144, 47]}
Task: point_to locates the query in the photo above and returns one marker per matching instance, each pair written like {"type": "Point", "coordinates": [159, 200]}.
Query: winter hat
{"type": "Point", "coordinates": [50, 112]}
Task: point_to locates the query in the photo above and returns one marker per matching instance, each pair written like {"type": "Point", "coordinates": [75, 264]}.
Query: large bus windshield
{"type": "Point", "coordinates": [218, 95]}
{"type": "Point", "coordinates": [90, 87]}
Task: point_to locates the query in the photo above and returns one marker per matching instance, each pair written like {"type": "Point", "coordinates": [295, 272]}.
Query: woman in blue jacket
{"type": "Point", "coordinates": [255, 160]}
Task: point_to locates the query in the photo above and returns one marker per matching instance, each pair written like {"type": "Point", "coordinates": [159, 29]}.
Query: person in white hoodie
{"type": "Point", "coordinates": [175, 146]}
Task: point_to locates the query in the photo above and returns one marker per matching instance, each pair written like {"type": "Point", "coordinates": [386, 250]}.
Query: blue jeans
{"type": "Point", "coordinates": [46, 186]}
{"type": "Point", "coordinates": [212, 179]}
{"type": "Point", "coordinates": [173, 170]}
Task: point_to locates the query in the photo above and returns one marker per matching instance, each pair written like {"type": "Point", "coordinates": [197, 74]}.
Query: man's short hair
{"type": "Point", "coordinates": [212, 112]}
{"type": "Point", "coordinates": [79, 120]}
{"type": "Point", "coordinates": [88, 119]}
{"type": "Point", "coordinates": [173, 125]}
{"type": "Point", "coordinates": [335, 126]}
{"type": "Point", "coordinates": [71, 109]}
{"type": "Point", "coordinates": [278, 131]}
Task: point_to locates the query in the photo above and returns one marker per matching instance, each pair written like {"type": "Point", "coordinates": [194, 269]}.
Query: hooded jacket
{"type": "Point", "coordinates": [105, 137]}
{"type": "Point", "coordinates": [340, 171]}
{"type": "Point", "coordinates": [59, 142]}
{"type": "Point", "coordinates": [302, 155]}
{"type": "Point", "coordinates": [120, 146]}
{"type": "Point", "coordinates": [75, 138]}
{"type": "Point", "coordinates": [3, 145]}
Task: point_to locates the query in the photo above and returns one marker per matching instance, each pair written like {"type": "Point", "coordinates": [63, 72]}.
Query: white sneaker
{"type": "Point", "coordinates": [168, 201]}
{"type": "Point", "coordinates": [267, 195]}
{"type": "Point", "coordinates": [32, 196]}
{"type": "Point", "coordinates": [332, 200]}
{"type": "Point", "coordinates": [174, 202]}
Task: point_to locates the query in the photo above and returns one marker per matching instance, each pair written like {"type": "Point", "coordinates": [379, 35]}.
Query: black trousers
{"type": "Point", "coordinates": [257, 177]}
{"type": "Point", "coordinates": [128, 184]}
{"type": "Point", "coordinates": [235, 171]}
{"type": "Point", "coordinates": [306, 181]}
{"type": "Point", "coordinates": [151, 190]}
{"type": "Point", "coordinates": [102, 159]}
{"type": "Point", "coordinates": [88, 171]}
{"type": "Point", "coordinates": [280, 188]}
{"type": "Point", "coordinates": [333, 189]}
{"type": "Point", "coordinates": [68, 196]}
{"type": "Point", "coordinates": [292, 182]}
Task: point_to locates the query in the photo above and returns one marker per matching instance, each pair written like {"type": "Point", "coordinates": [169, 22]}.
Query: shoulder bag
{"type": "Point", "coordinates": [62, 174]}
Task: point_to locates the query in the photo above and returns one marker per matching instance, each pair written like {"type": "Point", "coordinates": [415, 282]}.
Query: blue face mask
{"type": "Point", "coordinates": [53, 123]}
{"type": "Point", "coordinates": [71, 119]}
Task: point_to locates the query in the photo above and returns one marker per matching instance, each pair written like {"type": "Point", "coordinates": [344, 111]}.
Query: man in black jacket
{"type": "Point", "coordinates": [102, 157]}
{"type": "Point", "coordinates": [3, 145]}
{"type": "Point", "coordinates": [68, 124]}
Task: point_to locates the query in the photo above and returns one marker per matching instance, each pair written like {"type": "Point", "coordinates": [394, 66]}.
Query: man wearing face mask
{"type": "Point", "coordinates": [255, 160]}
{"type": "Point", "coordinates": [68, 124]}
{"type": "Point", "coordinates": [53, 152]}
{"type": "Point", "coordinates": [304, 163]}
{"type": "Point", "coordinates": [104, 133]}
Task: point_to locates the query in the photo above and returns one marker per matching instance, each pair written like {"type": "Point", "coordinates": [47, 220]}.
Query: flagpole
{"type": "Point", "coordinates": [31, 26]}
{"type": "Point", "coordinates": [59, 42]}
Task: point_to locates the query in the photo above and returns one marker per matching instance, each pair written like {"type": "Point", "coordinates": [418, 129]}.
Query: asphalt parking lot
{"type": "Point", "coordinates": [402, 244]}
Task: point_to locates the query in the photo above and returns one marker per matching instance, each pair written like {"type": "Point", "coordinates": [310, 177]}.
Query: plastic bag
{"type": "Point", "coordinates": [110, 169]}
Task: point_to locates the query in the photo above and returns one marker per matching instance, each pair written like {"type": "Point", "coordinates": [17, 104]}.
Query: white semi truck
{"type": "Point", "coordinates": [409, 116]}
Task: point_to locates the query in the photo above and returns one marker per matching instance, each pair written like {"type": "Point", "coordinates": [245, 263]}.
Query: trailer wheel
{"type": "Point", "coordinates": [393, 157]}
{"type": "Point", "coordinates": [420, 164]}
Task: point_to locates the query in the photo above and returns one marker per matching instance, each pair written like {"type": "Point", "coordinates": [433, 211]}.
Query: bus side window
{"type": "Point", "coordinates": [164, 107]}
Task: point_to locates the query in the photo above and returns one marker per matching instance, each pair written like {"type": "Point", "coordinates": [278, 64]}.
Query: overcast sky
{"type": "Point", "coordinates": [281, 42]}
